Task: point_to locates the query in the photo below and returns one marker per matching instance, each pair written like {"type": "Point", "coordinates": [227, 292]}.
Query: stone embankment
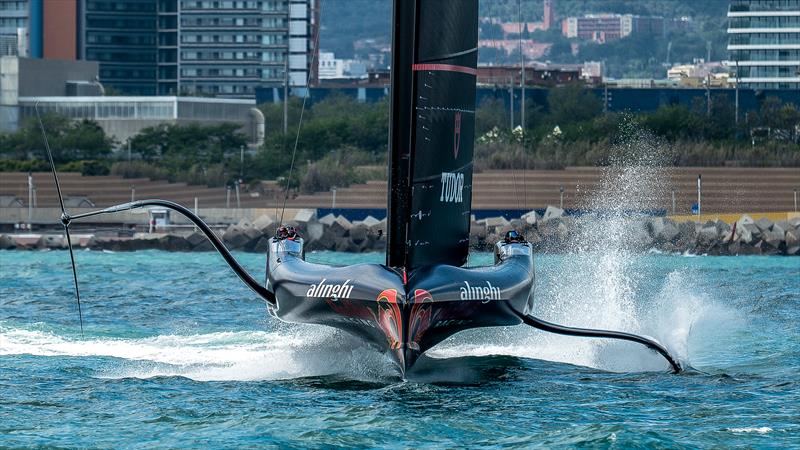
{"type": "Point", "coordinates": [551, 232]}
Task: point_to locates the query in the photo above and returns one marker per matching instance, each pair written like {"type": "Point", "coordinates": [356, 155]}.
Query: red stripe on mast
{"type": "Point", "coordinates": [444, 68]}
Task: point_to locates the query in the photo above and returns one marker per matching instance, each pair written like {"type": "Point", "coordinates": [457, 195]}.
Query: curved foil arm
{"type": "Point", "coordinates": [251, 282]}
{"type": "Point", "coordinates": [585, 332]}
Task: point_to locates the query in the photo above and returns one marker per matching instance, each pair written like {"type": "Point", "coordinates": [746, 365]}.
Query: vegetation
{"type": "Point", "coordinates": [571, 129]}
{"type": "Point", "coordinates": [342, 141]}
{"type": "Point", "coordinates": [198, 154]}
{"type": "Point", "coordinates": [79, 146]}
{"type": "Point", "coordinates": [69, 140]}
{"type": "Point", "coordinates": [331, 132]}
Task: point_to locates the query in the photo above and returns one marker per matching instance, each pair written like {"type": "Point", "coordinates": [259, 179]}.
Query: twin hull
{"type": "Point", "coordinates": [372, 302]}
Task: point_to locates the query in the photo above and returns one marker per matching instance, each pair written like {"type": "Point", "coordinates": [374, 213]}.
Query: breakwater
{"type": "Point", "coordinates": [551, 232]}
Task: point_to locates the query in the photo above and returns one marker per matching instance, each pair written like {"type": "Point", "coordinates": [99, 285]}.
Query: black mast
{"type": "Point", "coordinates": [401, 129]}
{"type": "Point", "coordinates": [432, 132]}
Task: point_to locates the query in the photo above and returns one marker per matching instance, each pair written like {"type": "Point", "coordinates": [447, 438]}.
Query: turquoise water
{"type": "Point", "coordinates": [178, 353]}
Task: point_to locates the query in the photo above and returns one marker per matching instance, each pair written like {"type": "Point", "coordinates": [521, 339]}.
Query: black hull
{"type": "Point", "coordinates": [404, 320]}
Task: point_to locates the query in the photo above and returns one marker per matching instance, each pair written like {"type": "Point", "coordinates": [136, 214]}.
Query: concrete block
{"type": "Point", "coordinates": [764, 224]}
{"type": "Point", "coordinates": [196, 238]}
{"type": "Point", "coordinates": [263, 223]}
{"type": "Point", "coordinates": [358, 234]}
{"type": "Point", "coordinates": [781, 227]}
{"type": "Point", "coordinates": [173, 243]}
{"type": "Point", "coordinates": [378, 227]}
{"type": "Point", "coordinates": [478, 229]}
{"type": "Point", "coordinates": [370, 221]}
{"type": "Point", "coordinates": [235, 236]}
{"type": "Point", "coordinates": [533, 237]}
{"type": "Point", "coordinates": [493, 222]}
{"type": "Point", "coordinates": [305, 215]}
{"type": "Point", "coordinates": [530, 217]}
{"type": "Point", "coordinates": [707, 235]}
{"type": "Point", "coordinates": [7, 243]}
{"type": "Point", "coordinates": [792, 242]}
{"type": "Point", "coordinates": [745, 219]}
{"type": "Point", "coordinates": [327, 219]}
{"type": "Point", "coordinates": [773, 238]}
{"type": "Point", "coordinates": [342, 220]}
{"type": "Point", "coordinates": [340, 226]}
{"type": "Point", "coordinates": [655, 225]}
{"type": "Point", "coordinates": [253, 233]}
{"type": "Point", "coordinates": [262, 245]}
{"type": "Point", "coordinates": [204, 246]}
{"type": "Point", "coordinates": [743, 234]}
{"type": "Point", "coordinates": [688, 231]}
{"type": "Point", "coordinates": [552, 213]}
{"type": "Point", "coordinates": [755, 232]}
{"type": "Point", "coordinates": [314, 231]}
{"type": "Point", "coordinates": [517, 224]}
{"type": "Point", "coordinates": [669, 232]}
{"type": "Point", "coordinates": [722, 227]}
{"type": "Point", "coordinates": [639, 236]}
{"type": "Point", "coordinates": [54, 242]}
{"type": "Point", "coordinates": [342, 244]}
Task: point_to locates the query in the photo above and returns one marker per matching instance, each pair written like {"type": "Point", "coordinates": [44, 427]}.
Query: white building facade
{"type": "Point", "coordinates": [764, 43]}
{"type": "Point", "coordinates": [14, 18]}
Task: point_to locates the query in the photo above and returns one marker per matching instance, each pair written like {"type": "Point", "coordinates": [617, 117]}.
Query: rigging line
{"type": "Point", "coordinates": [521, 110]}
{"type": "Point", "coordinates": [65, 218]}
{"type": "Point", "coordinates": [497, 48]}
{"type": "Point", "coordinates": [302, 111]}
{"type": "Point", "coordinates": [511, 102]}
{"type": "Point", "coordinates": [243, 275]}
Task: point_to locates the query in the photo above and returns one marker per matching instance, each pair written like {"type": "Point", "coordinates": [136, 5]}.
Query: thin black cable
{"type": "Point", "coordinates": [65, 218]}
{"type": "Point", "coordinates": [302, 111]}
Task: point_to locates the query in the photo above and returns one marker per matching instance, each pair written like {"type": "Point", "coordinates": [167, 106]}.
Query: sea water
{"type": "Point", "coordinates": [177, 352]}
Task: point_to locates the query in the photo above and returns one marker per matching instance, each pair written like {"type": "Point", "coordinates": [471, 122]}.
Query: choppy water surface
{"type": "Point", "coordinates": [178, 353]}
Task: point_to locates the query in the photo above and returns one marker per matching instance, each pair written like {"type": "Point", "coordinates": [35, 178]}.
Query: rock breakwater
{"type": "Point", "coordinates": [551, 232]}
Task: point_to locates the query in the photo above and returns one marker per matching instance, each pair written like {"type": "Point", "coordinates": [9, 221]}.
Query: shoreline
{"type": "Point", "coordinates": [552, 232]}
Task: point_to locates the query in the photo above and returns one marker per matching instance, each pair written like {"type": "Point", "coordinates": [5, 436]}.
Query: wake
{"type": "Point", "coordinates": [244, 355]}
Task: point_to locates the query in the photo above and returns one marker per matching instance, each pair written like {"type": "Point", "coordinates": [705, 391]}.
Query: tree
{"type": "Point", "coordinates": [775, 114]}
{"type": "Point", "coordinates": [490, 114]}
{"type": "Point", "coordinates": [69, 140]}
{"type": "Point", "coordinates": [674, 122]}
{"type": "Point", "coordinates": [273, 116]}
{"type": "Point", "coordinates": [181, 147]}
{"type": "Point", "coordinates": [572, 103]}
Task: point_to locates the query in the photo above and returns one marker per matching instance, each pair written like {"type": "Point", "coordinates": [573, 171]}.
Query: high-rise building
{"type": "Point", "coordinates": [222, 48]}
{"type": "Point", "coordinates": [123, 37]}
{"type": "Point", "coordinates": [15, 18]}
{"type": "Point", "coordinates": [38, 28]}
{"type": "Point", "coordinates": [764, 43]}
